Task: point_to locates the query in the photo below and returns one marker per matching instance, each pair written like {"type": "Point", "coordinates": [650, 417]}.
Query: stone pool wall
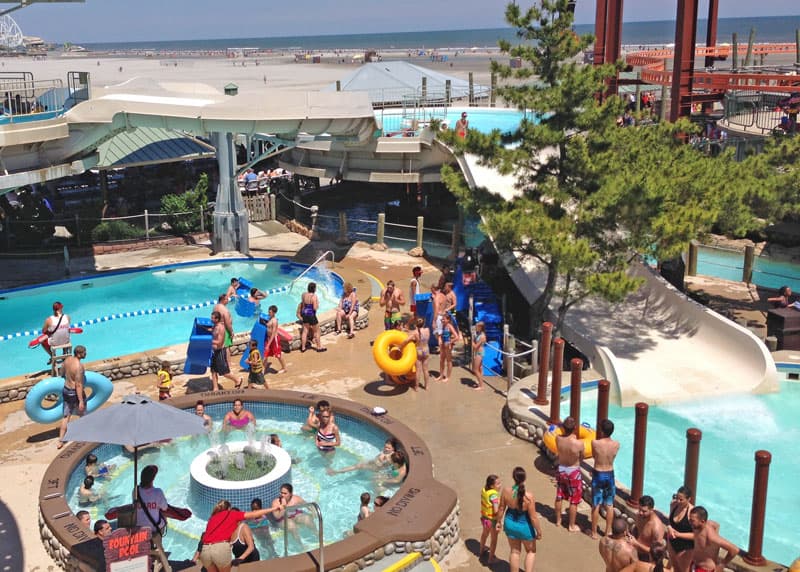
{"type": "Point", "coordinates": [17, 388]}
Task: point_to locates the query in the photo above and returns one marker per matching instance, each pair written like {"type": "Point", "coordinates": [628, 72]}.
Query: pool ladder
{"type": "Point", "coordinates": [316, 509]}
{"type": "Point", "coordinates": [317, 261]}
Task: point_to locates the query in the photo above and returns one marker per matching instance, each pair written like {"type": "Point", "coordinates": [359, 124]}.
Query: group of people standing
{"type": "Point", "coordinates": [685, 538]}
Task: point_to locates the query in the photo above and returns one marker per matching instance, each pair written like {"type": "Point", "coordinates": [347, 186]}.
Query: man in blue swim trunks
{"type": "Point", "coordinates": [604, 489]}
{"type": "Point", "coordinates": [73, 393]}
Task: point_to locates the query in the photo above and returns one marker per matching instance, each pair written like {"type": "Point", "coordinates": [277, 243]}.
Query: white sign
{"type": "Point", "coordinates": [139, 564]}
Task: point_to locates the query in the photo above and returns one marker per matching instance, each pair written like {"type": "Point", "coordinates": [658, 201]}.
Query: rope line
{"type": "Point", "coordinates": [109, 317]}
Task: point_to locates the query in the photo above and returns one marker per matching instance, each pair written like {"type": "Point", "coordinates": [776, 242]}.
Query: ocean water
{"type": "Point", "coordinates": [768, 29]}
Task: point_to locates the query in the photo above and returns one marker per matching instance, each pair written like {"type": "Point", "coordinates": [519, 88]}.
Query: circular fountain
{"type": "Point", "coordinates": [238, 472]}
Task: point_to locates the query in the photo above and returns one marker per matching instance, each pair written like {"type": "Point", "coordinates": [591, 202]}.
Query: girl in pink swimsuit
{"type": "Point", "coordinates": [238, 418]}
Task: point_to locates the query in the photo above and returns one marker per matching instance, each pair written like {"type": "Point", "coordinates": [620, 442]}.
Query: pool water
{"type": "Point", "coordinates": [338, 495]}
{"type": "Point", "coordinates": [96, 299]}
{"type": "Point", "coordinates": [483, 119]}
{"type": "Point", "coordinates": [734, 427]}
{"type": "Point", "coordinates": [767, 272]}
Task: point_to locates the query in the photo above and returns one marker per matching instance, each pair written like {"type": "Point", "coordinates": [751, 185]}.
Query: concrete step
{"type": "Point", "coordinates": [402, 562]}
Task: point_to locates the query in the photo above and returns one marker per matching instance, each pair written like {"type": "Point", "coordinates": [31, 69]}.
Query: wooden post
{"type": "Point", "coordinates": [471, 90]}
{"type": "Point", "coordinates": [342, 227]}
{"type": "Point", "coordinates": [338, 85]}
{"type": "Point", "coordinates": [749, 257]}
{"type": "Point", "coordinates": [639, 446]}
{"type": "Point", "coordinates": [381, 227]}
{"type": "Point", "coordinates": [576, 368]}
{"type": "Point", "coordinates": [555, 381]}
{"type": "Point", "coordinates": [603, 392]}
{"type": "Point", "coordinates": [692, 267]}
{"type": "Point", "coordinates": [758, 511]}
{"type": "Point", "coordinates": [493, 92]}
{"type": "Point", "coordinates": [420, 221]}
{"type": "Point", "coordinates": [544, 364]}
{"type": "Point", "coordinates": [448, 90]}
{"type": "Point", "coordinates": [693, 437]}
{"type": "Point", "coordinates": [273, 208]}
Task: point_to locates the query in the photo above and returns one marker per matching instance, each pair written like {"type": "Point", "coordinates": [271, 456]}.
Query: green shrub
{"type": "Point", "coordinates": [116, 230]}
{"type": "Point", "coordinates": [191, 202]}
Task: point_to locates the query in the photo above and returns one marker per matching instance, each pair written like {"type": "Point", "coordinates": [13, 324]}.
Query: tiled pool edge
{"type": "Point", "coordinates": [134, 365]}
{"type": "Point", "coordinates": [421, 517]}
{"type": "Point", "coordinates": [529, 424]}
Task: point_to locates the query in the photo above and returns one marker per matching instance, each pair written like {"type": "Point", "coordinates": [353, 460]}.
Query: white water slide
{"type": "Point", "coordinates": [657, 346]}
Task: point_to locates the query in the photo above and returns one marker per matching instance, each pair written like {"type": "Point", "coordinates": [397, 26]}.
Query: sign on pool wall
{"type": "Point", "coordinates": [128, 550]}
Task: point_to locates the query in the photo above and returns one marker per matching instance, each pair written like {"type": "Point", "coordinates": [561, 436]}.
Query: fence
{"type": "Point", "coordinates": [26, 99]}
{"type": "Point", "coordinates": [260, 207]}
{"type": "Point", "coordinates": [82, 230]}
{"type": "Point", "coordinates": [754, 109]}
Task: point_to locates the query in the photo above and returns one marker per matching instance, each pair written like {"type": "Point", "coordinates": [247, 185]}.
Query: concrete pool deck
{"type": "Point", "coordinates": [462, 428]}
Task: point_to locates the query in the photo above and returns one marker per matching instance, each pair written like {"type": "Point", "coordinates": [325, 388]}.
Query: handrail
{"type": "Point", "coordinates": [304, 272]}
{"type": "Point", "coordinates": [316, 508]}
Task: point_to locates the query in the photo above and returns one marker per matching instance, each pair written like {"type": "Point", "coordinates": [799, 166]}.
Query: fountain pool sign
{"type": "Point", "coordinates": [128, 551]}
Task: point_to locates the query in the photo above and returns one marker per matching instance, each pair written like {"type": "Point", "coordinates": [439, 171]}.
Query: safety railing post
{"type": "Point", "coordinates": [273, 207]}
{"type": "Point", "coordinates": [381, 227]}
{"type": "Point", "coordinates": [639, 447]}
{"type": "Point", "coordinates": [420, 221]}
{"type": "Point", "coordinates": [747, 269]}
{"type": "Point", "coordinates": [202, 219]}
{"type": "Point", "coordinates": [544, 364]}
{"type": "Point", "coordinates": [758, 510]}
{"type": "Point", "coordinates": [555, 380]}
{"type": "Point", "coordinates": [510, 349]}
{"type": "Point", "coordinates": [146, 225]}
{"type": "Point", "coordinates": [342, 227]}
{"type": "Point", "coordinates": [692, 464]}
{"type": "Point", "coordinates": [603, 390]}
{"type": "Point", "coordinates": [691, 269]}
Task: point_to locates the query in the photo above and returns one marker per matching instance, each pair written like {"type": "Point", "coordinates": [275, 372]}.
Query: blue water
{"type": "Point", "coordinates": [728, 264]}
{"type": "Point", "coordinates": [734, 427]}
{"type": "Point", "coordinates": [769, 29]}
{"type": "Point", "coordinates": [337, 495]}
{"type": "Point", "coordinates": [94, 298]}
{"type": "Point", "coordinates": [483, 119]}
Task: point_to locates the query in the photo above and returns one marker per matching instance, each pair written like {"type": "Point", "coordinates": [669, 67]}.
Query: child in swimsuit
{"type": "Point", "coordinates": [255, 378]}
{"type": "Point", "coordinates": [478, 343]}
{"type": "Point", "coordinates": [363, 511]}
{"type": "Point", "coordinates": [164, 381]}
{"type": "Point", "coordinates": [490, 501]}
{"type": "Point", "coordinates": [273, 345]}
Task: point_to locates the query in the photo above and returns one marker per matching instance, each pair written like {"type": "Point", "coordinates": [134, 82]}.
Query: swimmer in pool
{"type": "Point", "coordinates": [238, 417]}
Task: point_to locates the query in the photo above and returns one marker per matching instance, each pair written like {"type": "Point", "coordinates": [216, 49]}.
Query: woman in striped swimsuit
{"type": "Point", "coordinates": [327, 438]}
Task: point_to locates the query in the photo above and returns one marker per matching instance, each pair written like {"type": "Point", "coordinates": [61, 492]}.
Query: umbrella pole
{"type": "Point", "coordinates": [135, 476]}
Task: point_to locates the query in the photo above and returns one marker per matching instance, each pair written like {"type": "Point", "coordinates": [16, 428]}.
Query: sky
{"type": "Point", "coordinates": [149, 20]}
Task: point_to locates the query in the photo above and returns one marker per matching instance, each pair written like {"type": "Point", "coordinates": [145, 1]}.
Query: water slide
{"type": "Point", "coordinates": [657, 346]}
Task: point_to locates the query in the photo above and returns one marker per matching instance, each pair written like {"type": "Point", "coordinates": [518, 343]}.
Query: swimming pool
{"type": "Point", "coordinates": [734, 427]}
{"type": "Point", "coordinates": [165, 300]}
{"type": "Point", "coordinates": [338, 495]}
{"type": "Point", "coordinates": [728, 264]}
{"type": "Point", "coordinates": [483, 119]}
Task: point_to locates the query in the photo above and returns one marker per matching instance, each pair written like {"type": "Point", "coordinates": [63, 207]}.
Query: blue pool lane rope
{"type": "Point", "coordinates": [164, 310]}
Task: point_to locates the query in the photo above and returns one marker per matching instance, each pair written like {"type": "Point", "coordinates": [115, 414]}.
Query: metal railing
{"type": "Point", "coordinates": [316, 508]}
{"type": "Point", "coordinates": [25, 99]}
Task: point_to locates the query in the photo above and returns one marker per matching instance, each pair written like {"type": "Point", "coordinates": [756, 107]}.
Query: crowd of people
{"type": "Point", "coordinates": [685, 540]}
{"type": "Point", "coordinates": [229, 537]}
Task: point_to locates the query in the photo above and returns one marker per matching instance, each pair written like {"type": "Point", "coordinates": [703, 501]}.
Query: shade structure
{"type": "Point", "coordinates": [136, 420]}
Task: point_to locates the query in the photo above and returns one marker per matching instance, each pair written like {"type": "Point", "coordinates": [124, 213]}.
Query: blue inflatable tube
{"type": "Point", "coordinates": [100, 386]}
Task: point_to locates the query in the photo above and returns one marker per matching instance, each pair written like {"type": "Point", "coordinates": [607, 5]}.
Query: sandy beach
{"type": "Point", "coordinates": [249, 74]}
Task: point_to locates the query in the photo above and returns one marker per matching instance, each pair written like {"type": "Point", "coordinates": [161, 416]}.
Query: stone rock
{"type": "Point", "coordinates": [389, 549]}
{"type": "Point", "coordinates": [12, 394]}
{"type": "Point", "coordinates": [352, 567]}
{"type": "Point", "coordinates": [521, 433]}
{"type": "Point", "coordinates": [379, 247]}
{"type": "Point", "coordinates": [417, 252]}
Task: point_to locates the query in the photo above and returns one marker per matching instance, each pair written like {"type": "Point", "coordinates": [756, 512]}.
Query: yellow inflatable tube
{"type": "Point", "coordinates": [387, 355]}
{"type": "Point", "coordinates": [585, 434]}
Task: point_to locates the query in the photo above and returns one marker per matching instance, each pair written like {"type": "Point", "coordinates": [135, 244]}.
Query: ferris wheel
{"type": "Point", "coordinates": [10, 33]}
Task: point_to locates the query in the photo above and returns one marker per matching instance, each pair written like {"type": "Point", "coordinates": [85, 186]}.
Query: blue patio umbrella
{"type": "Point", "coordinates": [135, 421]}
